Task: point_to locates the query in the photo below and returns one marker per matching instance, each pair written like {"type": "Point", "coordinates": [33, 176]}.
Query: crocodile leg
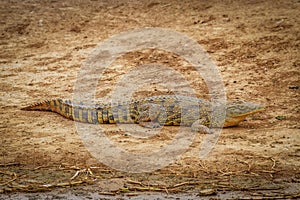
{"type": "Point", "coordinates": [198, 126]}
{"type": "Point", "coordinates": [151, 115]}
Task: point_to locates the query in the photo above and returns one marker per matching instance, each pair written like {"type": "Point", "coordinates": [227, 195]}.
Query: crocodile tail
{"type": "Point", "coordinates": [48, 105]}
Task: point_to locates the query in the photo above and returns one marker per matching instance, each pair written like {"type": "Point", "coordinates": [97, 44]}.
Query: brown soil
{"type": "Point", "coordinates": [255, 45]}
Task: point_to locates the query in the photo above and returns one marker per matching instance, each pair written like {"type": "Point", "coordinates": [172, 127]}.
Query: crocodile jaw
{"type": "Point", "coordinates": [234, 121]}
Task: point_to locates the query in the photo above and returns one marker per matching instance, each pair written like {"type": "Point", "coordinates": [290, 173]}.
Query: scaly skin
{"type": "Point", "coordinates": [161, 110]}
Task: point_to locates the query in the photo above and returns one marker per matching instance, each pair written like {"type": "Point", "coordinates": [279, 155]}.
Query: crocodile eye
{"type": "Point", "coordinates": [242, 107]}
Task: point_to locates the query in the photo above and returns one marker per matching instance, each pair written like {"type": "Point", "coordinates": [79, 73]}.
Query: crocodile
{"type": "Point", "coordinates": [154, 111]}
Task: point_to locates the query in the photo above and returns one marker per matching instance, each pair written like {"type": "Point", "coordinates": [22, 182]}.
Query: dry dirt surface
{"type": "Point", "coordinates": [255, 45]}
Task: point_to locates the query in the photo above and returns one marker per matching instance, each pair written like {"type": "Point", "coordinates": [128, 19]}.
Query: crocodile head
{"type": "Point", "coordinates": [237, 111]}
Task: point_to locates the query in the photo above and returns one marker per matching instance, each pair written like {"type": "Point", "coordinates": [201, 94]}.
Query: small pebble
{"type": "Point", "coordinates": [294, 87]}
{"type": "Point", "coordinates": [207, 192]}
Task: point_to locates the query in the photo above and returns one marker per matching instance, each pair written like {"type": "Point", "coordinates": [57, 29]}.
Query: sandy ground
{"type": "Point", "coordinates": [255, 45]}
